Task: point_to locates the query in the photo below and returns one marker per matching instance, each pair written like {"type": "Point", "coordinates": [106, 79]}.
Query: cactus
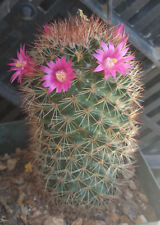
{"type": "Point", "coordinates": [82, 133]}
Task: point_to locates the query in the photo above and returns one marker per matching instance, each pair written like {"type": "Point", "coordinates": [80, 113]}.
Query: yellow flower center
{"type": "Point", "coordinates": [109, 62]}
{"type": "Point", "coordinates": [19, 64]}
{"type": "Point", "coordinates": [114, 60]}
{"type": "Point", "coordinates": [61, 75]}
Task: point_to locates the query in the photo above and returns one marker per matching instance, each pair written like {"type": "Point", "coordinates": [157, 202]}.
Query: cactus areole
{"type": "Point", "coordinates": [82, 100]}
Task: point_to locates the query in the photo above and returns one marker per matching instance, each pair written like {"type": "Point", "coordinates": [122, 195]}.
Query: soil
{"type": "Point", "coordinates": [22, 204]}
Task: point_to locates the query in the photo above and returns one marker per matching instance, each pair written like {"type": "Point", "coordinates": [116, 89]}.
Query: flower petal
{"type": "Point", "coordinates": [104, 46]}
{"type": "Point", "coordinates": [53, 80]}
{"type": "Point", "coordinates": [24, 65]}
{"type": "Point", "coordinates": [112, 59]}
{"type": "Point", "coordinates": [111, 47]}
{"type": "Point", "coordinates": [106, 74]}
{"type": "Point", "coordinates": [99, 68]}
{"type": "Point", "coordinates": [113, 73]}
{"type": "Point", "coordinates": [14, 76]}
{"type": "Point", "coordinates": [98, 57]}
{"type": "Point", "coordinates": [120, 46]}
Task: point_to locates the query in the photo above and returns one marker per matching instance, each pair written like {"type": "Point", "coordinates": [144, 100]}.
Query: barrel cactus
{"type": "Point", "coordinates": [81, 90]}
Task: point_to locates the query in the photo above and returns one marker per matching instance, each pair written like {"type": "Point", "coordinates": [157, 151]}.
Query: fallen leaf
{"type": "Point", "coordinates": [28, 167]}
{"type": "Point", "coordinates": [78, 221]}
{"type": "Point", "coordinates": [2, 166]}
{"type": "Point", "coordinates": [11, 164]}
{"type": "Point", "coordinates": [52, 220]}
{"type": "Point", "coordinates": [21, 199]}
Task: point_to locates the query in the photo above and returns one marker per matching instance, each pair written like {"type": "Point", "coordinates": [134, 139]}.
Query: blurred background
{"type": "Point", "coordinates": [21, 19]}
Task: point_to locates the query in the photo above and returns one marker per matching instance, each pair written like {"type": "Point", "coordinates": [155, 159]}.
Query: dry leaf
{"type": "Point", "coordinates": [28, 167]}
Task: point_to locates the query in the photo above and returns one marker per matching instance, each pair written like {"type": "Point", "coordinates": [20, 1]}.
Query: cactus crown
{"type": "Point", "coordinates": [83, 133]}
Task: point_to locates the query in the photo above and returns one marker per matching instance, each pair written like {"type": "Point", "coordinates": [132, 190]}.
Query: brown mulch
{"type": "Point", "coordinates": [21, 204]}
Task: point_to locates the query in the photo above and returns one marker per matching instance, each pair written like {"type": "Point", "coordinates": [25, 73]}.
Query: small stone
{"type": "Point", "coordinates": [143, 197]}
{"type": "Point", "coordinates": [37, 220]}
{"type": "Point", "coordinates": [132, 185]}
{"type": "Point", "coordinates": [128, 194]}
{"type": "Point", "coordinates": [130, 173]}
{"type": "Point", "coordinates": [143, 206]}
{"type": "Point", "coordinates": [18, 151]}
{"type": "Point", "coordinates": [130, 209]}
{"type": "Point", "coordinates": [124, 220]}
{"type": "Point", "coordinates": [100, 222]}
{"type": "Point", "coordinates": [150, 213]}
{"type": "Point", "coordinates": [5, 157]}
{"type": "Point", "coordinates": [124, 224]}
{"type": "Point", "coordinates": [23, 218]}
{"type": "Point", "coordinates": [24, 210]}
{"type": "Point", "coordinates": [94, 222]}
{"type": "Point", "coordinates": [112, 207]}
{"type": "Point", "coordinates": [52, 220]}
{"type": "Point", "coordinates": [79, 221]}
{"type": "Point", "coordinates": [11, 164]}
{"type": "Point", "coordinates": [2, 166]}
{"type": "Point", "coordinates": [35, 214]}
{"type": "Point", "coordinates": [18, 180]}
{"type": "Point", "coordinates": [113, 217]}
{"type": "Point", "coordinates": [141, 219]}
{"type": "Point", "coordinates": [89, 222]}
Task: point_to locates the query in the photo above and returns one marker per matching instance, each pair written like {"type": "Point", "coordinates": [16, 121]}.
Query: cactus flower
{"type": "Point", "coordinates": [47, 29]}
{"type": "Point", "coordinates": [23, 65]}
{"type": "Point", "coordinates": [112, 60]}
{"type": "Point", "coordinates": [119, 33]}
{"type": "Point", "coordinates": [59, 75]}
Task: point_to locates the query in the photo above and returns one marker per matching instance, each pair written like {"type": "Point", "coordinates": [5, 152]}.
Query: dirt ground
{"type": "Point", "coordinates": [21, 203]}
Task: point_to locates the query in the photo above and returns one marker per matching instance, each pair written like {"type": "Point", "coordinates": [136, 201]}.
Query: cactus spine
{"type": "Point", "coordinates": [83, 139]}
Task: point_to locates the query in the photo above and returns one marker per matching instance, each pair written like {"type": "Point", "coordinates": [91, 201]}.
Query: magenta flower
{"type": "Point", "coordinates": [112, 59]}
{"type": "Point", "coordinates": [47, 29]}
{"type": "Point", "coordinates": [23, 65]}
{"type": "Point", "coordinates": [119, 33]}
{"type": "Point", "coordinates": [59, 75]}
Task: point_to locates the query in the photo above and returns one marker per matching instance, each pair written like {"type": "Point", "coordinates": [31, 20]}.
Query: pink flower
{"type": "Point", "coordinates": [47, 29]}
{"type": "Point", "coordinates": [23, 65]}
{"type": "Point", "coordinates": [119, 33]}
{"type": "Point", "coordinates": [112, 59]}
{"type": "Point", "coordinates": [59, 75]}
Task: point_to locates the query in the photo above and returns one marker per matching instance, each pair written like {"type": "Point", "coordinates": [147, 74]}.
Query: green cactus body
{"type": "Point", "coordinates": [83, 139]}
